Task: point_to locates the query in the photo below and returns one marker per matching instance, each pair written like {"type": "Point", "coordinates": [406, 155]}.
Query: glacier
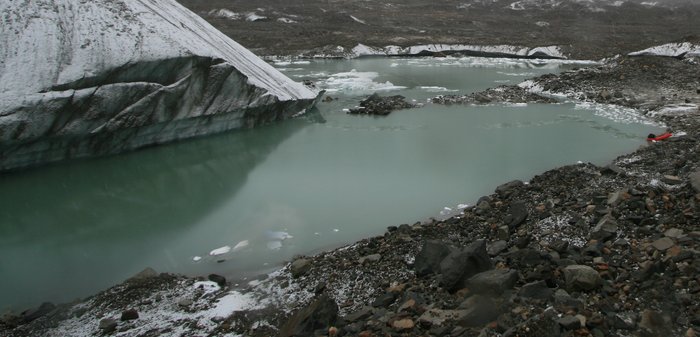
{"type": "Point", "coordinates": [551, 52]}
{"type": "Point", "coordinates": [90, 78]}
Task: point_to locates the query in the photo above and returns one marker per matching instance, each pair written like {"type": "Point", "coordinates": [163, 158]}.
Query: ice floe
{"type": "Point", "coordinates": [220, 251]}
{"type": "Point", "coordinates": [356, 81]}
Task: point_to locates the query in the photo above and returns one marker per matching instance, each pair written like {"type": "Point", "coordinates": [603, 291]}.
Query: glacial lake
{"type": "Point", "coordinates": [296, 187]}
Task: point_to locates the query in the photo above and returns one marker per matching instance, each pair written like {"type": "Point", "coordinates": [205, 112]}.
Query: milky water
{"type": "Point", "coordinates": [241, 203]}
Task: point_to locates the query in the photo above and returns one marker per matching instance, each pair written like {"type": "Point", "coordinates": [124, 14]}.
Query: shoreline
{"type": "Point", "coordinates": [373, 282]}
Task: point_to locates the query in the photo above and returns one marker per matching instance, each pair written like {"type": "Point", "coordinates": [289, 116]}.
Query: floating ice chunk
{"type": "Point", "coordinates": [279, 236]}
{"type": "Point", "coordinates": [358, 20]}
{"type": "Point", "coordinates": [356, 81]}
{"type": "Point", "coordinates": [579, 162]}
{"type": "Point", "coordinates": [220, 251]}
{"type": "Point", "coordinates": [241, 245]}
{"type": "Point", "coordinates": [197, 258]}
{"type": "Point", "coordinates": [274, 245]}
{"type": "Point", "coordinates": [336, 230]}
{"type": "Point", "coordinates": [317, 233]}
{"type": "Point", "coordinates": [207, 286]}
{"type": "Point", "coordinates": [462, 206]}
{"type": "Point", "coordinates": [437, 89]}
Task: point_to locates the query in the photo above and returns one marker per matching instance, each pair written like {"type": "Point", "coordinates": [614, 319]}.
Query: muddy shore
{"type": "Point", "coordinates": [579, 250]}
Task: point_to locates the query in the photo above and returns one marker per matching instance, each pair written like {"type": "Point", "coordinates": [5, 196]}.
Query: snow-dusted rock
{"type": "Point", "coordinates": [84, 78]}
{"type": "Point", "coordinates": [686, 49]}
{"type": "Point", "coordinates": [495, 50]}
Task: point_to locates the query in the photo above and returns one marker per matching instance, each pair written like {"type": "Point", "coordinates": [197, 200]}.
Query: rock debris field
{"type": "Point", "coordinates": [579, 250]}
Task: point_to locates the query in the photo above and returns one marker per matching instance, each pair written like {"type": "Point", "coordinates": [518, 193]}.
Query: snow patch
{"type": "Point", "coordinates": [252, 17]}
{"type": "Point", "coordinates": [286, 20]}
{"type": "Point", "coordinates": [677, 109]}
{"type": "Point", "coordinates": [671, 50]}
{"type": "Point", "coordinates": [225, 14]}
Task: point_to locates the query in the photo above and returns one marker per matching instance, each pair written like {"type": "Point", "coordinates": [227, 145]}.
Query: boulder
{"type": "Point", "coordinates": [145, 274]}
{"type": "Point", "coordinates": [569, 322]}
{"type": "Point", "coordinates": [319, 314]}
{"type": "Point", "coordinates": [460, 265]}
{"type": "Point", "coordinates": [300, 267]}
{"type": "Point", "coordinates": [695, 180]}
{"type": "Point", "coordinates": [370, 258]}
{"type": "Point", "coordinates": [107, 325]}
{"type": "Point", "coordinates": [580, 277]}
{"type": "Point", "coordinates": [32, 314]}
{"type": "Point", "coordinates": [507, 188]}
{"type": "Point", "coordinates": [537, 290]}
{"type": "Point", "coordinates": [429, 258]}
{"type": "Point", "coordinates": [128, 315]}
{"type": "Point", "coordinates": [518, 214]}
{"type": "Point", "coordinates": [218, 279]}
{"type": "Point", "coordinates": [114, 76]}
{"type": "Point", "coordinates": [663, 243]}
{"type": "Point", "coordinates": [493, 282]}
{"type": "Point", "coordinates": [497, 247]}
{"type": "Point", "coordinates": [605, 229]}
{"type": "Point", "coordinates": [477, 311]}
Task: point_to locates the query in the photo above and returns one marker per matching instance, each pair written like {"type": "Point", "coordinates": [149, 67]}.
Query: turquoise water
{"type": "Point", "coordinates": [297, 187]}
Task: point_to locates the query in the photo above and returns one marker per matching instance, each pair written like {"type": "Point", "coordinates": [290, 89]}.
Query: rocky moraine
{"type": "Point", "coordinates": [580, 250]}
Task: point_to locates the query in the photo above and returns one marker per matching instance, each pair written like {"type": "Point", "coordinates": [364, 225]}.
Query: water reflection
{"type": "Point", "coordinates": [108, 216]}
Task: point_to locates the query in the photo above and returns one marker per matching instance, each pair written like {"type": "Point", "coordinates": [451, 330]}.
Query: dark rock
{"type": "Point", "coordinates": [536, 290]}
{"type": "Point", "coordinates": [695, 180]}
{"type": "Point", "coordinates": [527, 256]}
{"type": "Point", "coordinates": [623, 321]}
{"type": "Point", "coordinates": [508, 188]}
{"type": "Point", "coordinates": [672, 180]}
{"type": "Point", "coordinates": [370, 258]}
{"type": "Point", "coordinates": [563, 300]}
{"type": "Point", "coordinates": [518, 214]}
{"type": "Point", "coordinates": [218, 279]}
{"type": "Point", "coordinates": [663, 244]}
{"type": "Point", "coordinates": [108, 325]}
{"type": "Point", "coordinates": [429, 258]}
{"type": "Point", "coordinates": [185, 303]}
{"type": "Point", "coordinates": [300, 267]}
{"type": "Point", "coordinates": [460, 265]}
{"type": "Point", "coordinates": [385, 300]}
{"type": "Point", "coordinates": [32, 314]}
{"type": "Point", "coordinates": [145, 274]}
{"type": "Point", "coordinates": [569, 322]}
{"type": "Point", "coordinates": [605, 229]}
{"type": "Point", "coordinates": [477, 311]}
{"type": "Point", "coordinates": [497, 247]}
{"type": "Point", "coordinates": [361, 314]}
{"type": "Point", "coordinates": [580, 277]}
{"type": "Point", "coordinates": [128, 315]}
{"type": "Point", "coordinates": [493, 282]}
{"type": "Point", "coordinates": [319, 314]}
{"type": "Point", "coordinates": [380, 105]}
{"type": "Point", "coordinates": [655, 323]}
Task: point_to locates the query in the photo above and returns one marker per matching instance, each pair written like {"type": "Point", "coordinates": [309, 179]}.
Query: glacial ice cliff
{"type": "Point", "coordinates": [84, 78]}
